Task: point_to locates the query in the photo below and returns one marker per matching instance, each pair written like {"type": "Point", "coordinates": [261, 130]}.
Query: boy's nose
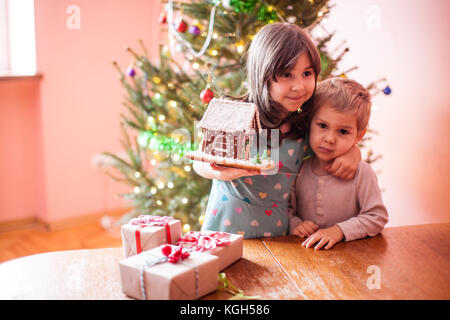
{"type": "Point", "coordinates": [329, 138]}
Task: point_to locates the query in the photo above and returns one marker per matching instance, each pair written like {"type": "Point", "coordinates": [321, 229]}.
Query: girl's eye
{"type": "Point", "coordinates": [322, 125]}
{"type": "Point", "coordinates": [343, 131]}
{"type": "Point", "coordinates": [287, 74]}
{"type": "Point", "coordinates": [307, 73]}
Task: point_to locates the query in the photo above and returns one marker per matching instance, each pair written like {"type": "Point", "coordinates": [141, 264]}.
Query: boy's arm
{"type": "Point", "coordinates": [373, 214]}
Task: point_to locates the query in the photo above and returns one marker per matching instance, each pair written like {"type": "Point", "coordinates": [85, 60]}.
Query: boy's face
{"type": "Point", "coordinates": [333, 133]}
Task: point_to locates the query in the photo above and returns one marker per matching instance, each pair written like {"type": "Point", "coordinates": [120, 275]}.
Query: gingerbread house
{"type": "Point", "coordinates": [229, 128]}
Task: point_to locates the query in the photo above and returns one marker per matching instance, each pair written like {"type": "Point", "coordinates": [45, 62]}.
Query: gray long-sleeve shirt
{"type": "Point", "coordinates": [354, 205]}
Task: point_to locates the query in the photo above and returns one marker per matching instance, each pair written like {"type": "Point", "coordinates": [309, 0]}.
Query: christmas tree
{"type": "Point", "coordinates": [166, 98]}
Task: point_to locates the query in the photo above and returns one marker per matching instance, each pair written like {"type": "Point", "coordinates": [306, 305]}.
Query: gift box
{"type": "Point", "coordinates": [159, 275]}
{"type": "Point", "coordinates": [227, 246]}
{"type": "Point", "coordinates": [147, 232]}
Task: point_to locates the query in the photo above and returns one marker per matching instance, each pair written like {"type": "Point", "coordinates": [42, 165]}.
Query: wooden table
{"type": "Point", "coordinates": [411, 262]}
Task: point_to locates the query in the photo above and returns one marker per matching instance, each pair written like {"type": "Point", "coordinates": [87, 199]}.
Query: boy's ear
{"type": "Point", "coordinates": [361, 135]}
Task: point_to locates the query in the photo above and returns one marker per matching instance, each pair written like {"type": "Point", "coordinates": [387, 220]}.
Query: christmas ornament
{"type": "Point", "coordinates": [180, 25]}
{"type": "Point", "coordinates": [387, 90]}
{"type": "Point", "coordinates": [194, 30]}
{"type": "Point", "coordinates": [162, 18]}
{"type": "Point", "coordinates": [206, 95]}
{"type": "Point", "coordinates": [130, 71]}
{"type": "Point", "coordinates": [174, 33]}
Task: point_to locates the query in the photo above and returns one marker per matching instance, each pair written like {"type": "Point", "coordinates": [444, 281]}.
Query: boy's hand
{"type": "Point", "coordinates": [305, 229]}
{"type": "Point", "coordinates": [345, 166]}
{"type": "Point", "coordinates": [329, 236]}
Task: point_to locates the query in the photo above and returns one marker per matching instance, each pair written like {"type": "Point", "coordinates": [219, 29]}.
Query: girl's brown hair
{"type": "Point", "coordinates": [273, 52]}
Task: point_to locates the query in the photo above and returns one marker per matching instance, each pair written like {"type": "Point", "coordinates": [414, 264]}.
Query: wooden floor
{"type": "Point", "coordinates": [33, 240]}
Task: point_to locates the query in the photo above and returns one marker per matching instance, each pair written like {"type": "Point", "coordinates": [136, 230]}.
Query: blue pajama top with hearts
{"type": "Point", "coordinates": [256, 206]}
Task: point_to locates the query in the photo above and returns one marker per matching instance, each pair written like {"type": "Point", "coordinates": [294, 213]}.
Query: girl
{"type": "Point", "coordinates": [282, 69]}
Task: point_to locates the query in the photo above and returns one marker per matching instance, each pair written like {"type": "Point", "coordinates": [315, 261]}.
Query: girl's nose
{"type": "Point", "coordinates": [298, 86]}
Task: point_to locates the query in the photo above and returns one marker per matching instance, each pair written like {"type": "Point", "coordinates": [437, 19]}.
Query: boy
{"type": "Point", "coordinates": [323, 208]}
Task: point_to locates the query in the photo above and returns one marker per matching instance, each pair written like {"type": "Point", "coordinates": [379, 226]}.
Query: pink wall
{"type": "Point", "coordinates": [21, 174]}
{"type": "Point", "coordinates": [80, 102]}
{"type": "Point", "coordinates": [49, 134]}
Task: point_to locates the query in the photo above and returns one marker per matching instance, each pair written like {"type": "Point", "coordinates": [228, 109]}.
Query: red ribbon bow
{"type": "Point", "coordinates": [178, 254]}
{"type": "Point", "coordinates": [202, 241]}
{"type": "Point", "coordinates": [146, 221]}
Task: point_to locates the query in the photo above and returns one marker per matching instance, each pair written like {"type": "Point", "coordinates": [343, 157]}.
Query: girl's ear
{"type": "Point", "coordinates": [361, 135]}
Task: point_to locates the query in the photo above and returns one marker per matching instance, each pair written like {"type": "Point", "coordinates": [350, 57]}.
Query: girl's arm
{"type": "Point", "coordinates": [213, 171]}
{"type": "Point", "coordinates": [345, 166]}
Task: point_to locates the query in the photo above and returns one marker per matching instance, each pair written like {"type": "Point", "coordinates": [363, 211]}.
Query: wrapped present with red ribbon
{"type": "Point", "coordinates": [227, 246]}
{"type": "Point", "coordinates": [147, 232]}
{"type": "Point", "coordinates": [169, 272]}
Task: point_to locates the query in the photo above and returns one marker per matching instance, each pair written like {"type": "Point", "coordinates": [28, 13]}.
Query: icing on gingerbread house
{"type": "Point", "coordinates": [228, 128]}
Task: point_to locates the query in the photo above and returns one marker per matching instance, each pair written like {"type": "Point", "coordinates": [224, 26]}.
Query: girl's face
{"type": "Point", "coordinates": [296, 86]}
{"type": "Point", "coordinates": [332, 133]}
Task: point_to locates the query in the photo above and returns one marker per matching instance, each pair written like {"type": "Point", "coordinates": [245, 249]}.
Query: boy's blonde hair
{"type": "Point", "coordinates": [344, 95]}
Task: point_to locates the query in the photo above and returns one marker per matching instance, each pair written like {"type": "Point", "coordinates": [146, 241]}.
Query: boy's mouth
{"type": "Point", "coordinates": [324, 150]}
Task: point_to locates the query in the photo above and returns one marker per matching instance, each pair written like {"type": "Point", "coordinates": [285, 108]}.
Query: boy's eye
{"type": "Point", "coordinates": [287, 74]}
{"type": "Point", "coordinates": [343, 131]}
{"type": "Point", "coordinates": [322, 125]}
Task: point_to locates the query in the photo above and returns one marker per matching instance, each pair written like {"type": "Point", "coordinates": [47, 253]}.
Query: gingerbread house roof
{"type": "Point", "coordinates": [231, 116]}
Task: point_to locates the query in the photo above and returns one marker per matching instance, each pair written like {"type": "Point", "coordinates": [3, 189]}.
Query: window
{"type": "Point", "coordinates": [17, 38]}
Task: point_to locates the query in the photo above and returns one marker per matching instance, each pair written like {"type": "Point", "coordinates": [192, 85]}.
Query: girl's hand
{"type": "Point", "coordinates": [229, 173]}
{"type": "Point", "coordinates": [328, 236]}
{"type": "Point", "coordinates": [345, 166]}
{"type": "Point", "coordinates": [213, 171]}
{"type": "Point", "coordinates": [305, 229]}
